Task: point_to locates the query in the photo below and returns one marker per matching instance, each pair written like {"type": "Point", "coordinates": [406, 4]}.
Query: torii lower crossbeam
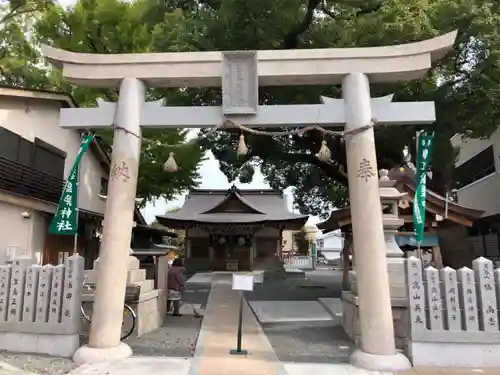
{"type": "Point", "coordinates": [329, 114]}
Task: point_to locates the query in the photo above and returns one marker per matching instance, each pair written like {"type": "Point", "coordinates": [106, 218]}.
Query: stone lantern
{"type": "Point", "coordinates": [390, 198]}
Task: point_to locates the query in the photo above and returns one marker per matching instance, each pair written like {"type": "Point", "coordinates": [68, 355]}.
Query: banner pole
{"type": "Point", "coordinates": [77, 208]}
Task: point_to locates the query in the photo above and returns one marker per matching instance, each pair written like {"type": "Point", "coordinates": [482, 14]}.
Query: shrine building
{"type": "Point", "coordinates": [229, 230]}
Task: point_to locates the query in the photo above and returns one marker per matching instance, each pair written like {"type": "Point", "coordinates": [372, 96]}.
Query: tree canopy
{"type": "Point", "coordinates": [99, 26]}
{"type": "Point", "coordinates": [464, 85]}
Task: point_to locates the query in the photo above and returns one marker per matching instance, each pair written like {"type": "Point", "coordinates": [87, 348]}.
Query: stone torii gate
{"type": "Point", "coordinates": [240, 74]}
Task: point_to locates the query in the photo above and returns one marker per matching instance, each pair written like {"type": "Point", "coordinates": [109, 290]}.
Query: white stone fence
{"type": "Point", "coordinates": [300, 262]}
{"type": "Point", "coordinates": [454, 315]}
{"type": "Point", "coordinates": [40, 306]}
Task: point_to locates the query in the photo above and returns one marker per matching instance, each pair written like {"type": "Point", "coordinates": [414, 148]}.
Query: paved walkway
{"type": "Point", "coordinates": [218, 337]}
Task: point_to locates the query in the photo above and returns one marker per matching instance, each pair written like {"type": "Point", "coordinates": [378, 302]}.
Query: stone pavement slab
{"type": "Point", "coordinates": [326, 369]}
{"type": "Point", "coordinates": [202, 278]}
{"type": "Point", "coordinates": [218, 337]}
{"type": "Point", "coordinates": [138, 366]}
{"type": "Point", "coordinates": [450, 371]}
{"type": "Point", "coordinates": [332, 305]}
{"type": "Point", "coordinates": [289, 311]}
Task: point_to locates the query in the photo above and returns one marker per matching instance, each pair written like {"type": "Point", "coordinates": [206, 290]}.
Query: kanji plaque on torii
{"type": "Point", "coordinates": [240, 74]}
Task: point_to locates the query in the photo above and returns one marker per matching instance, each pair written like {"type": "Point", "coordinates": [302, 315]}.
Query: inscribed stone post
{"type": "Point", "coordinates": [416, 296]}
{"type": "Point", "coordinates": [434, 299]}
{"type": "Point", "coordinates": [31, 286]}
{"type": "Point", "coordinates": [56, 294]}
{"type": "Point", "coordinates": [43, 299]}
{"type": "Point", "coordinates": [449, 286]}
{"type": "Point", "coordinates": [5, 273]}
{"type": "Point", "coordinates": [467, 291]}
{"type": "Point", "coordinates": [71, 303]}
{"type": "Point", "coordinates": [16, 294]}
{"type": "Point", "coordinates": [488, 314]}
{"type": "Point", "coordinates": [496, 274]}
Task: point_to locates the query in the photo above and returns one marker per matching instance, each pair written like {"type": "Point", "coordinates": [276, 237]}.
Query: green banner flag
{"type": "Point", "coordinates": [65, 221]}
{"type": "Point", "coordinates": [424, 142]}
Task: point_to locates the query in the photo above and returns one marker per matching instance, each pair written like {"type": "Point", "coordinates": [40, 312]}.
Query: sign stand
{"type": "Point", "coordinates": [238, 350]}
{"type": "Point", "coordinates": [242, 282]}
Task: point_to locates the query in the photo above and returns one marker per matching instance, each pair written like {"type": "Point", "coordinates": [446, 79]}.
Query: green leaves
{"type": "Point", "coordinates": [108, 26]}
{"type": "Point", "coordinates": [464, 84]}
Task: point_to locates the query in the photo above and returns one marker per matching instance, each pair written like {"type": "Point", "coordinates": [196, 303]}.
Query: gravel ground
{"type": "Point", "coordinates": [43, 365]}
{"type": "Point", "coordinates": [176, 338]}
{"type": "Point", "coordinates": [320, 342]}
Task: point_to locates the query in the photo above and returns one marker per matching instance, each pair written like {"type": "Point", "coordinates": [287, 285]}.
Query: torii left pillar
{"type": "Point", "coordinates": [107, 317]}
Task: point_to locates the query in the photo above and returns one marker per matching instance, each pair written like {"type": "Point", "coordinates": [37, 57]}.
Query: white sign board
{"type": "Point", "coordinates": [243, 281]}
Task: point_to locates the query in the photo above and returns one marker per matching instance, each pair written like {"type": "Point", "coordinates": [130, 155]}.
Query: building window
{"type": "Point", "coordinates": [103, 190]}
{"type": "Point", "coordinates": [11, 144]}
{"type": "Point", "coordinates": [38, 155]}
{"type": "Point", "coordinates": [477, 167]}
{"type": "Point", "coordinates": [48, 159]}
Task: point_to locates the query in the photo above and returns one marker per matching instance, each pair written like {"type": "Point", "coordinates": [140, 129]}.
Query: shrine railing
{"type": "Point", "coordinates": [449, 307]}
{"type": "Point", "coordinates": [300, 262]}
{"type": "Point", "coordinates": [41, 305]}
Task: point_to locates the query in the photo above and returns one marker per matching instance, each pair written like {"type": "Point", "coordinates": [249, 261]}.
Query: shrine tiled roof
{"type": "Point", "coordinates": [405, 182]}
{"type": "Point", "coordinates": [256, 206]}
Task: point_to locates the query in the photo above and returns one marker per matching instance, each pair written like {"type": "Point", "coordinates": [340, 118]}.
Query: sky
{"type": "Point", "coordinates": [210, 178]}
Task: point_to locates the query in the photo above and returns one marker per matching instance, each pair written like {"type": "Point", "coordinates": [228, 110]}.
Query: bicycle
{"type": "Point", "coordinates": [129, 317]}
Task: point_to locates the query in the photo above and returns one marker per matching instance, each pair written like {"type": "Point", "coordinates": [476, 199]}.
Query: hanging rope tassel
{"type": "Point", "coordinates": [242, 149]}
{"type": "Point", "coordinates": [170, 165]}
{"type": "Point", "coordinates": [324, 154]}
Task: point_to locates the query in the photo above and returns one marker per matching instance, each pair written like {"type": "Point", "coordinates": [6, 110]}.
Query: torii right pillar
{"type": "Point", "coordinates": [378, 350]}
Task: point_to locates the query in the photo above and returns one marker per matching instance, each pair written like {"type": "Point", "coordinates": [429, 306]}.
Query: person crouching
{"type": "Point", "coordinates": [175, 285]}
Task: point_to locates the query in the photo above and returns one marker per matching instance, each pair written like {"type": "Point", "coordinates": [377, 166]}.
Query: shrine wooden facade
{"type": "Point", "coordinates": [233, 229]}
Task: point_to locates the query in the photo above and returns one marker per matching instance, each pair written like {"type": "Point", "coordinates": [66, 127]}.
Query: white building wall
{"type": "Point", "coordinates": [38, 118]}
{"type": "Point", "coordinates": [483, 194]}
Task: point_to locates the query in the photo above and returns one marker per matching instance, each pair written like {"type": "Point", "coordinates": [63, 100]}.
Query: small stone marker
{"type": "Point", "coordinates": [5, 274]}
{"type": "Point", "coordinates": [56, 294]}
{"type": "Point", "coordinates": [434, 299]}
{"type": "Point", "coordinates": [17, 282]}
{"type": "Point", "coordinates": [30, 293]}
{"type": "Point", "coordinates": [467, 290]}
{"type": "Point", "coordinates": [43, 299]}
{"type": "Point", "coordinates": [416, 295]}
{"type": "Point", "coordinates": [485, 285]}
{"type": "Point", "coordinates": [451, 299]}
{"type": "Point", "coordinates": [72, 292]}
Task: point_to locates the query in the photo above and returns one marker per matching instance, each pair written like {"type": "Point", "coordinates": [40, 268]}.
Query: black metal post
{"type": "Point", "coordinates": [238, 350]}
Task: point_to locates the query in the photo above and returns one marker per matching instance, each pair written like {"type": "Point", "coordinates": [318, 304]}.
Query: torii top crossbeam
{"type": "Point", "coordinates": [275, 68]}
